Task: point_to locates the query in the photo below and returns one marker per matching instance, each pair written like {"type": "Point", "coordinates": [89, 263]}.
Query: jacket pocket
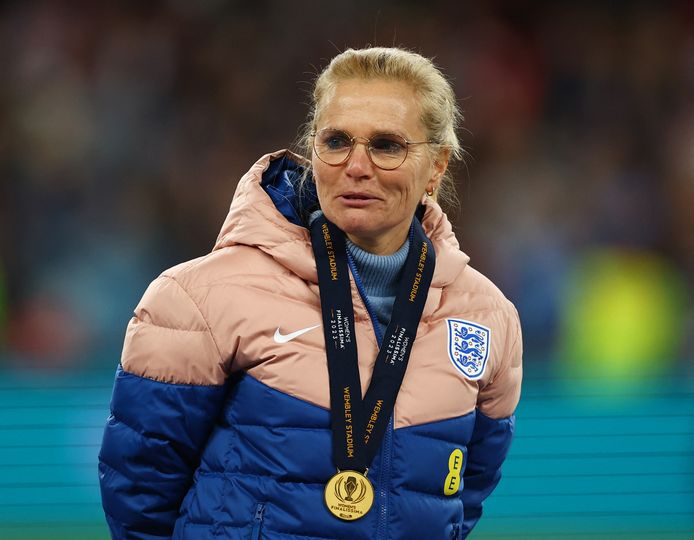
{"type": "Point", "coordinates": [258, 521]}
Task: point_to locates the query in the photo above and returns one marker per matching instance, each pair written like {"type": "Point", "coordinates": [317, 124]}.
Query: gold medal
{"type": "Point", "coordinates": [349, 495]}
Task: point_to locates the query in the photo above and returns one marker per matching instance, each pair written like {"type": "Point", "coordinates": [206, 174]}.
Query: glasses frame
{"type": "Point", "coordinates": [366, 141]}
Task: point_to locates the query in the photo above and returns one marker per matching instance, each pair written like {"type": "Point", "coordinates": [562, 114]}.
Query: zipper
{"type": "Point", "coordinates": [386, 448]}
{"type": "Point", "coordinates": [258, 521]}
{"type": "Point", "coordinates": [384, 480]}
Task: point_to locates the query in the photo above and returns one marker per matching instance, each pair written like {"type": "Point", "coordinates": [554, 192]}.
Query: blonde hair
{"type": "Point", "coordinates": [440, 114]}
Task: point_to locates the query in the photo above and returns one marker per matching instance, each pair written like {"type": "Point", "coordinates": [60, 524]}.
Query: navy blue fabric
{"type": "Point", "coordinates": [487, 450]}
{"type": "Point", "coordinates": [150, 449]}
{"type": "Point", "coordinates": [281, 181]}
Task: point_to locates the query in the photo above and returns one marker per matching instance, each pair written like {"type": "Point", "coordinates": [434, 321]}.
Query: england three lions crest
{"type": "Point", "coordinates": [468, 347]}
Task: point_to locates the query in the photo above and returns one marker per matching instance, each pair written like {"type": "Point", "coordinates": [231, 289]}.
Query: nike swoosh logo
{"type": "Point", "coordinates": [284, 338]}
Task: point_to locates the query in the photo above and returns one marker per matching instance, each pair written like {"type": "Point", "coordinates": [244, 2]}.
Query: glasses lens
{"type": "Point", "coordinates": [332, 146]}
{"type": "Point", "coordinates": [388, 151]}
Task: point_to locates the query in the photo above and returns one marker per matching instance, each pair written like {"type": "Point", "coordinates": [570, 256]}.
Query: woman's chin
{"type": "Point", "coordinates": [358, 224]}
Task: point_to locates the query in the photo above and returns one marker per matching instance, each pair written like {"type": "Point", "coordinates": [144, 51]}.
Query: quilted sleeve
{"type": "Point", "coordinates": [168, 391]}
{"type": "Point", "coordinates": [494, 425]}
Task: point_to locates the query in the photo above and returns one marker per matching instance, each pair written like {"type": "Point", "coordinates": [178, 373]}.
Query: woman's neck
{"type": "Point", "coordinates": [380, 276]}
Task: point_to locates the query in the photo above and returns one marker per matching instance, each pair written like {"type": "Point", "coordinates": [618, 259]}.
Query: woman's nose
{"type": "Point", "coordinates": [359, 163]}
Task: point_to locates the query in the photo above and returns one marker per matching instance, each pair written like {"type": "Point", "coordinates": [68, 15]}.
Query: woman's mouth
{"type": "Point", "coordinates": [357, 199]}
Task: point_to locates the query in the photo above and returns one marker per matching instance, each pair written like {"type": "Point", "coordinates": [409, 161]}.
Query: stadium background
{"type": "Point", "coordinates": [124, 128]}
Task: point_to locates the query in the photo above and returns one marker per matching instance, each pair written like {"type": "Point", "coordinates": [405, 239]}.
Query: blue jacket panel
{"type": "Point", "coordinates": [274, 450]}
{"type": "Point", "coordinates": [487, 450]}
{"type": "Point", "coordinates": [270, 451]}
{"type": "Point", "coordinates": [151, 447]}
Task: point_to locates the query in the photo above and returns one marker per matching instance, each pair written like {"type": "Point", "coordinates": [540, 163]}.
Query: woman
{"type": "Point", "coordinates": [242, 407]}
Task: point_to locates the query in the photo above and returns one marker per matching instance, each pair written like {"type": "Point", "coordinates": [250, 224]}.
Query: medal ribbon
{"type": "Point", "coordinates": [358, 426]}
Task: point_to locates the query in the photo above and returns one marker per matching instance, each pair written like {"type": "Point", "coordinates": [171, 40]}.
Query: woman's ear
{"type": "Point", "coordinates": [440, 167]}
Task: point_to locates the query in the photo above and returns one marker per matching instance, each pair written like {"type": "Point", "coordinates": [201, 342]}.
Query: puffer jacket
{"type": "Point", "coordinates": [220, 420]}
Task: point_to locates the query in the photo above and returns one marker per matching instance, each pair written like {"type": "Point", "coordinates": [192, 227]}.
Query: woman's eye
{"type": "Point", "coordinates": [336, 141]}
{"type": "Point", "coordinates": [387, 145]}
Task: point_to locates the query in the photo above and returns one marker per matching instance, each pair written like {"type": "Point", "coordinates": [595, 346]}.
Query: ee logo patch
{"type": "Point", "coordinates": [455, 467]}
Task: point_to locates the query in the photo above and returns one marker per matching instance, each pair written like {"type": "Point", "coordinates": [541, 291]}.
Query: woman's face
{"type": "Point", "coordinates": [372, 206]}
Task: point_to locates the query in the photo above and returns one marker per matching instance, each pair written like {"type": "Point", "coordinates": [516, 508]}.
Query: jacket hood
{"type": "Point", "coordinates": [268, 212]}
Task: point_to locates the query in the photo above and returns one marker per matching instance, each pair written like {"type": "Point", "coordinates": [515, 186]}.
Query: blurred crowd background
{"type": "Point", "coordinates": [125, 126]}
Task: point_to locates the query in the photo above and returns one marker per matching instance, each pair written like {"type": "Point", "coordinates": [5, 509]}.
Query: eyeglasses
{"type": "Point", "coordinates": [386, 151]}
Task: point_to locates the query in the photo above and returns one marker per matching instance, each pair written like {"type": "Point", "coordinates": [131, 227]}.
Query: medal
{"type": "Point", "coordinates": [359, 424]}
{"type": "Point", "coordinates": [349, 495]}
